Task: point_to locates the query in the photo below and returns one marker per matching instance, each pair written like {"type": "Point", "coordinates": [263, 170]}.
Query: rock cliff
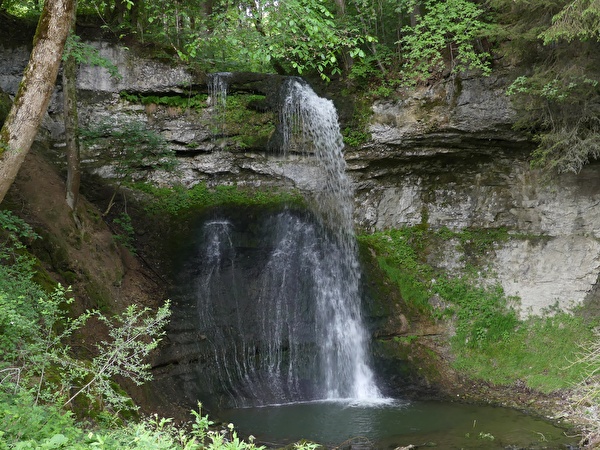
{"type": "Point", "coordinates": [441, 156]}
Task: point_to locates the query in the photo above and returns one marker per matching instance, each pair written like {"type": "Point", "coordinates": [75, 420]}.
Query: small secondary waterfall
{"type": "Point", "coordinates": [217, 98]}
{"type": "Point", "coordinates": [293, 329]}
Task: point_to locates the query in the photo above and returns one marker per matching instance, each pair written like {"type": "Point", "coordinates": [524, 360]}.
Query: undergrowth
{"type": "Point", "coordinates": [198, 101]}
{"type": "Point", "coordinates": [24, 425]}
{"type": "Point", "coordinates": [490, 343]}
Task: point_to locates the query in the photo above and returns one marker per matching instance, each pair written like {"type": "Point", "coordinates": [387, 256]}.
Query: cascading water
{"type": "Point", "coordinates": [293, 328]}
{"type": "Point", "coordinates": [217, 98]}
{"type": "Point", "coordinates": [310, 123]}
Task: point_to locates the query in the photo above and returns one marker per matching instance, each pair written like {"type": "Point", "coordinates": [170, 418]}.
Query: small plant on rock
{"type": "Point", "coordinates": [132, 149]}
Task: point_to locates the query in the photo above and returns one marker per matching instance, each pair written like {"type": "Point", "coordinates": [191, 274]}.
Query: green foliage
{"type": "Point", "coordinates": [357, 130]}
{"type": "Point", "coordinates": [248, 127]}
{"type": "Point", "coordinates": [18, 293]}
{"type": "Point", "coordinates": [35, 327]}
{"type": "Point", "coordinates": [558, 90]}
{"type": "Point", "coordinates": [133, 335]}
{"type": "Point", "coordinates": [33, 352]}
{"type": "Point", "coordinates": [555, 99]}
{"type": "Point", "coordinates": [483, 314]}
{"type": "Point", "coordinates": [540, 352]}
{"type": "Point", "coordinates": [127, 235]}
{"type": "Point", "coordinates": [579, 19]}
{"type": "Point", "coordinates": [491, 343]}
{"type": "Point", "coordinates": [27, 9]}
{"type": "Point", "coordinates": [446, 29]}
{"type": "Point", "coordinates": [559, 109]}
{"type": "Point", "coordinates": [297, 35]}
{"type": "Point", "coordinates": [24, 425]}
{"type": "Point", "coordinates": [16, 230]}
{"type": "Point", "coordinates": [179, 200]}
{"type": "Point", "coordinates": [239, 121]}
{"type": "Point", "coordinates": [355, 137]}
{"type": "Point", "coordinates": [198, 101]}
{"type": "Point", "coordinates": [568, 149]}
{"type": "Point", "coordinates": [86, 54]}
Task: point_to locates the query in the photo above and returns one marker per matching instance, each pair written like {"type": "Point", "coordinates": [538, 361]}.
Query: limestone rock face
{"type": "Point", "coordinates": [553, 274]}
{"type": "Point", "coordinates": [5, 104]}
{"type": "Point", "coordinates": [445, 156]}
{"type": "Point", "coordinates": [137, 74]}
{"type": "Point", "coordinates": [14, 61]}
{"type": "Point", "coordinates": [448, 157]}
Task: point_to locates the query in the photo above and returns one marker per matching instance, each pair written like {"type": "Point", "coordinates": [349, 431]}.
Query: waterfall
{"type": "Point", "coordinates": [217, 99]}
{"type": "Point", "coordinates": [281, 307]}
{"type": "Point", "coordinates": [310, 124]}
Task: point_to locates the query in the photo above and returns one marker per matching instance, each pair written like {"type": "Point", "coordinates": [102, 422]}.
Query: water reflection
{"type": "Point", "coordinates": [389, 425]}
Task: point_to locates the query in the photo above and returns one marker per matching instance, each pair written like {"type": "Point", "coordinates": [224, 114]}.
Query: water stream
{"type": "Point", "coordinates": [310, 124]}
{"type": "Point", "coordinates": [399, 424]}
{"type": "Point", "coordinates": [295, 332]}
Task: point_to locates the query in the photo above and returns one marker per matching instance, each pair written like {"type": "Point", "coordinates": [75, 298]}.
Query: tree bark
{"type": "Point", "coordinates": [341, 7]}
{"type": "Point", "coordinates": [35, 89]}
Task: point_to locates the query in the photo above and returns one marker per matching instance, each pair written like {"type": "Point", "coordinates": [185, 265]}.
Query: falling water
{"type": "Point", "coordinates": [217, 99]}
{"type": "Point", "coordinates": [310, 124]}
{"type": "Point", "coordinates": [288, 327]}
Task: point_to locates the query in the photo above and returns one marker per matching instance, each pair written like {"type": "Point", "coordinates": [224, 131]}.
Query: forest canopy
{"type": "Point", "coordinates": [378, 46]}
{"type": "Point", "coordinates": [406, 40]}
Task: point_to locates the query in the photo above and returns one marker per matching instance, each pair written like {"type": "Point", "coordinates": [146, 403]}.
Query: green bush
{"type": "Point", "coordinates": [25, 425]}
{"type": "Point", "coordinates": [35, 327]}
{"type": "Point", "coordinates": [453, 28]}
{"type": "Point", "coordinates": [127, 235]}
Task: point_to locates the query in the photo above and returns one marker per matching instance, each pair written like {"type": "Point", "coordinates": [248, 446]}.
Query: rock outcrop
{"type": "Point", "coordinates": [445, 156]}
{"type": "Point", "coordinates": [448, 157]}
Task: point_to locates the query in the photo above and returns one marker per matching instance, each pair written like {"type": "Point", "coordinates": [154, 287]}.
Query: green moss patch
{"type": "Point", "coordinates": [239, 120]}
{"type": "Point", "coordinates": [178, 200]}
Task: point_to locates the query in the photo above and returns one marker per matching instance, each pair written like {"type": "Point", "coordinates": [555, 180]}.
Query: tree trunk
{"type": "Point", "coordinates": [207, 7]}
{"type": "Point", "coordinates": [415, 14]}
{"type": "Point", "coordinates": [71, 120]}
{"type": "Point", "coordinates": [136, 9]}
{"type": "Point", "coordinates": [35, 89]}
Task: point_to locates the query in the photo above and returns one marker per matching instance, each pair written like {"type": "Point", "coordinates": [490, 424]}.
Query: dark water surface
{"type": "Point", "coordinates": [397, 423]}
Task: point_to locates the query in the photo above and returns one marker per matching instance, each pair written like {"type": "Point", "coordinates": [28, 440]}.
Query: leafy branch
{"type": "Point", "coordinates": [134, 334]}
{"type": "Point", "coordinates": [453, 28]}
{"type": "Point", "coordinates": [84, 53]}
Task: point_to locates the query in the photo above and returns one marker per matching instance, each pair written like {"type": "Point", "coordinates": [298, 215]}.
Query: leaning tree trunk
{"type": "Point", "coordinates": [35, 90]}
